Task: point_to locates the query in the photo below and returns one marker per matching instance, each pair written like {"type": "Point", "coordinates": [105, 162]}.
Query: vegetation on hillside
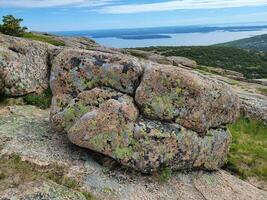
{"type": "Point", "coordinates": [12, 26]}
{"type": "Point", "coordinates": [248, 151]}
{"type": "Point", "coordinates": [258, 43]}
{"type": "Point", "coordinates": [43, 38]}
{"type": "Point", "coordinates": [252, 64]}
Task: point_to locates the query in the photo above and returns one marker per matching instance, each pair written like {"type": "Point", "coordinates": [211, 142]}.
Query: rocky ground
{"type": "Point", "coordinates": [25, 132]}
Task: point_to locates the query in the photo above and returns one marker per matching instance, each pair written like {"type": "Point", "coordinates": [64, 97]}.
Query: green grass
{"type": "Point", "coordinates": [42, 101]}
{"type": "Point", "coordinates": [163, 175]}
{"type": "Point", "coordinates": [14, 166]}
{"type": "Point", "coordinates": [137, 53]}
{"type": "Point", "coordinates": [88, 196]}
{"type": "Point", "coordinates": [263, 91]}
{"type": "Point", "coordinates": [248, 62]}
{"type": "Point", "coordinates": [43, 38]}
{"type": "Point", "coordinates": [248, 151]}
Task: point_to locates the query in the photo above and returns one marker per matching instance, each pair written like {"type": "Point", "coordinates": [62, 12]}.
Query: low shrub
{"type": "Point", "coordinates": [42, 101]}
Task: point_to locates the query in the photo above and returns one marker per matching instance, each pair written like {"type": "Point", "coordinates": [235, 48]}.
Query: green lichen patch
{"type": "Point", "coordinates": [73, 112]}
{"type": "Point", "coordinates": [123, 152]}
{"type": "Point", "coordinates": [165, 105]}
{"type": "Point", "coordinates": [119, 145]}
{"type": "Point", "coordinates": [165, 99]}
{"type": "Point", "coordinates": [210, 179]}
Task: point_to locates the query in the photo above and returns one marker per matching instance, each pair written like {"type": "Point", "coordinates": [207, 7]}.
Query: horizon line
{"type": "Point", "coordinates": [250, 24]}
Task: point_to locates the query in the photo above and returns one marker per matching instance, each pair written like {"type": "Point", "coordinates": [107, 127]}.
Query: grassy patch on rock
{"type": "Point", "coordinates": [14, 171]}
{"type": "Point", "coordinates": [163, 175]}
{"type": "Point", "coordinates": [247, 157]}
{"type": "Point", "coordinates": [40, 100]}
{"type": "Point", "coordinates": [43, 38]}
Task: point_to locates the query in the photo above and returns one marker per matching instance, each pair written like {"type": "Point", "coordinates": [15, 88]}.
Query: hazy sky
{"type": "Point", "coordinates": [64, 15]}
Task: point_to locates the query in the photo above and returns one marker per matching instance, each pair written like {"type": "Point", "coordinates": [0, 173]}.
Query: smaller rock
{"type": "Point", "coordinates": [259, 81]}
{"type": "Point", "coordinates": [224, 72]}
{"type": "Point", "coordinates": [253, 106]}
{"type": "Point", "coordinates": [195, 102]}
{"type": "Point", "coordinates": [156, 58]}
{"type": "Point", "coordinates": [182, 61]}
{"type": "Point", "coordinates": [78, 70]}
{"type": "Point", "coordinates": [148, 145]}
{"type": "Point", "coordinates": [100, 104]}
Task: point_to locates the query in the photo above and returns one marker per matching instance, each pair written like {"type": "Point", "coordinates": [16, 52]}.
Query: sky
{"type": "Point", "coordinates": [73, 15]}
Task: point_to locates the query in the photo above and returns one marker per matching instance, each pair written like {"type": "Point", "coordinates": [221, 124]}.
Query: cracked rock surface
{"type": "Point", "coordinates": [142, 114]}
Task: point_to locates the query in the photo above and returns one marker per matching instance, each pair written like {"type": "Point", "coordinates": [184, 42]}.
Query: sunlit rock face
{"type": "Point", "coordinates": [175, 94]}
{"type": "Point", "coordinates": [144, 115]}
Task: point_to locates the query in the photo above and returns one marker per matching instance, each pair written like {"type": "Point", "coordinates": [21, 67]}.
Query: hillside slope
{"type": "Point", "coordinates": [258, 43]}
{"type": "Point", "coordinates": [251, 63]}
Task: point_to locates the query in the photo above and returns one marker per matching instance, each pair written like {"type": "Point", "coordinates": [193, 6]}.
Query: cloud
{"type": "Point", "coordinates": [121, 6]}
{"type": "Point", "coordinates": [95, 3]}
{"type": "Point", "coordinates": [54, 3]}
{"type": "Point", "coordinates": [179, 5]}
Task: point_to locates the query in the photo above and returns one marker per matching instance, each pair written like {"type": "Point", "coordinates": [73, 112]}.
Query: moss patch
{"type": "Point", "coordinates": [163, 176]}
{"type": "Point", "coordinates": [42, 101]}
{"type": "Point", "coordinates": [248, 151]}
{"type": "Point", "coordinates": [123, 152]}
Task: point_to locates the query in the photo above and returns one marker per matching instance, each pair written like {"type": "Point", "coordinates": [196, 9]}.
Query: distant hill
{"type": "Point", "coordinates": [252, 64]}
{"type": "Point", "coordinates": [256, 43]}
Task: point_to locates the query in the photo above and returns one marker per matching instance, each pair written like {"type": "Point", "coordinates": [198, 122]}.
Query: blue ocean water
{"type": "Point", "coordinates": [169, 36]}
